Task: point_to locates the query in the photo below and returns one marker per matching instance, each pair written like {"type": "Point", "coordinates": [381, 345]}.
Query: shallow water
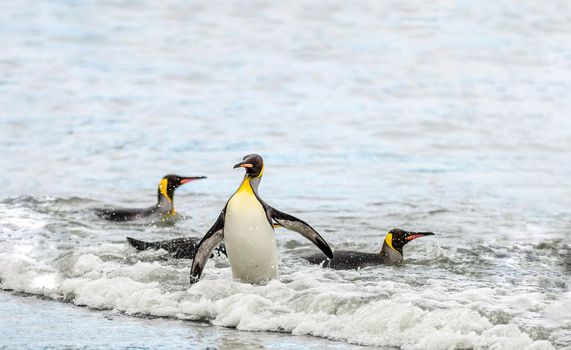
{"type": "Point", "coordinates": [31, 322]}
{"type": "Point", "coordinates": [450, 117]}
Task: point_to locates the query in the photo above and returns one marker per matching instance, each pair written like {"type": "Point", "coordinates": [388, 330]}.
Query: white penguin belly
{"type": "Point", "coordinates": [250, 239]}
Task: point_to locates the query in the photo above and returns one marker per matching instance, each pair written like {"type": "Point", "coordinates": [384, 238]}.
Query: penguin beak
{"type": "Point", "coordinates": [184, 180]}
{"type": "Point", "coordinates": [414, 235]}
{"type": "Point", "coordinates": [243, 165]}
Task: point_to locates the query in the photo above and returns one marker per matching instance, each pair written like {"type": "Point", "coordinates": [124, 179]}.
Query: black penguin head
{"type": "Point", "coordinates": [397, 238]}
{"type": "Point", "coordinates": [254, 165]}
{"type": "Point", "coordinates": [170, 182]}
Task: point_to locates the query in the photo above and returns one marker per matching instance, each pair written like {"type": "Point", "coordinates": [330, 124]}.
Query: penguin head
{"type": "Point", "coordinates": [397, 238]}
{"type": "Point", "coordinates": [254, 165]}
{"type": "Point", "coordinates": [170, 182]}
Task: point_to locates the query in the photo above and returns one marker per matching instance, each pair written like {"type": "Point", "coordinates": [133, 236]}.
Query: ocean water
{"type": "Point", "coordinates": [448, 116]}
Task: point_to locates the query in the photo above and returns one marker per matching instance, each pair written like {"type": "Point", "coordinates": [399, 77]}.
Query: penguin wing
{"type": "Point", "coordinates": [294, 224]}
{"type": "Point", "coordinates": [211, 240]}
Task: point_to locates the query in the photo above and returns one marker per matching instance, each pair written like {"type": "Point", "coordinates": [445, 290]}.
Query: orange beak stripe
{"type": "Point", "coordinates": [410, 238]}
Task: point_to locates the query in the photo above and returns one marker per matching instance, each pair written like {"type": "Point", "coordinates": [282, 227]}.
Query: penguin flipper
{"type": "Point", "coordinates": [211, 240]}
{"type": "Point", "coordinates": [294, 224]}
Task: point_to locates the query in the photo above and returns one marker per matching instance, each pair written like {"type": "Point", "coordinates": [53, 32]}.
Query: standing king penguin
{"type": "Point", "coordinates": [164, 207]}
{"type": "Point", "coordinates": [246, 224]}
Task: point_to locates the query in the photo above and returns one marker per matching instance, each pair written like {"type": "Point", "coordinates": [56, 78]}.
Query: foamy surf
{"type": "Point", "coordinates": [408, 307]}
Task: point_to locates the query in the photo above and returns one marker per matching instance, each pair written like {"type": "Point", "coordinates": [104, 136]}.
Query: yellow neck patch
{"type": "Point", "coordinates": [389, 240]}
{"type": "Point", "coordinates": [163, 189]}
{"type": "Point", "coordinates": [245, 185]}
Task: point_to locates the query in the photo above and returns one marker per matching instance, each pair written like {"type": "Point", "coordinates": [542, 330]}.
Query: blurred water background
{"type": "Point", "coordinates": [448, 116]}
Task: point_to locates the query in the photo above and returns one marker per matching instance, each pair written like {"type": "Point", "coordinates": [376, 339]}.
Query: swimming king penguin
{"type": "Point", "coordinates": [246, 224]}
{"type": "Point", "coordinates": [391, 253]}
{"type": "Point", "coordinates": [165, 202]}
{"type": "Point", "coordinates": [178, 248]}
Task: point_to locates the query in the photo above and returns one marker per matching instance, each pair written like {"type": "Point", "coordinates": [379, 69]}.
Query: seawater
{"type": "Point", "coordinates": [449, 116]}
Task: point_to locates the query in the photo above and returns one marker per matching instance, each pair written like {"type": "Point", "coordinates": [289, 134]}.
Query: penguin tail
{"type": "Point", "coordinates": [139, 245]}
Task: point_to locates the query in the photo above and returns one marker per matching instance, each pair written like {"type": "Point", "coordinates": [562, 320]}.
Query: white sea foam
{"type": "Point", "coordinates": [321, 303]}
